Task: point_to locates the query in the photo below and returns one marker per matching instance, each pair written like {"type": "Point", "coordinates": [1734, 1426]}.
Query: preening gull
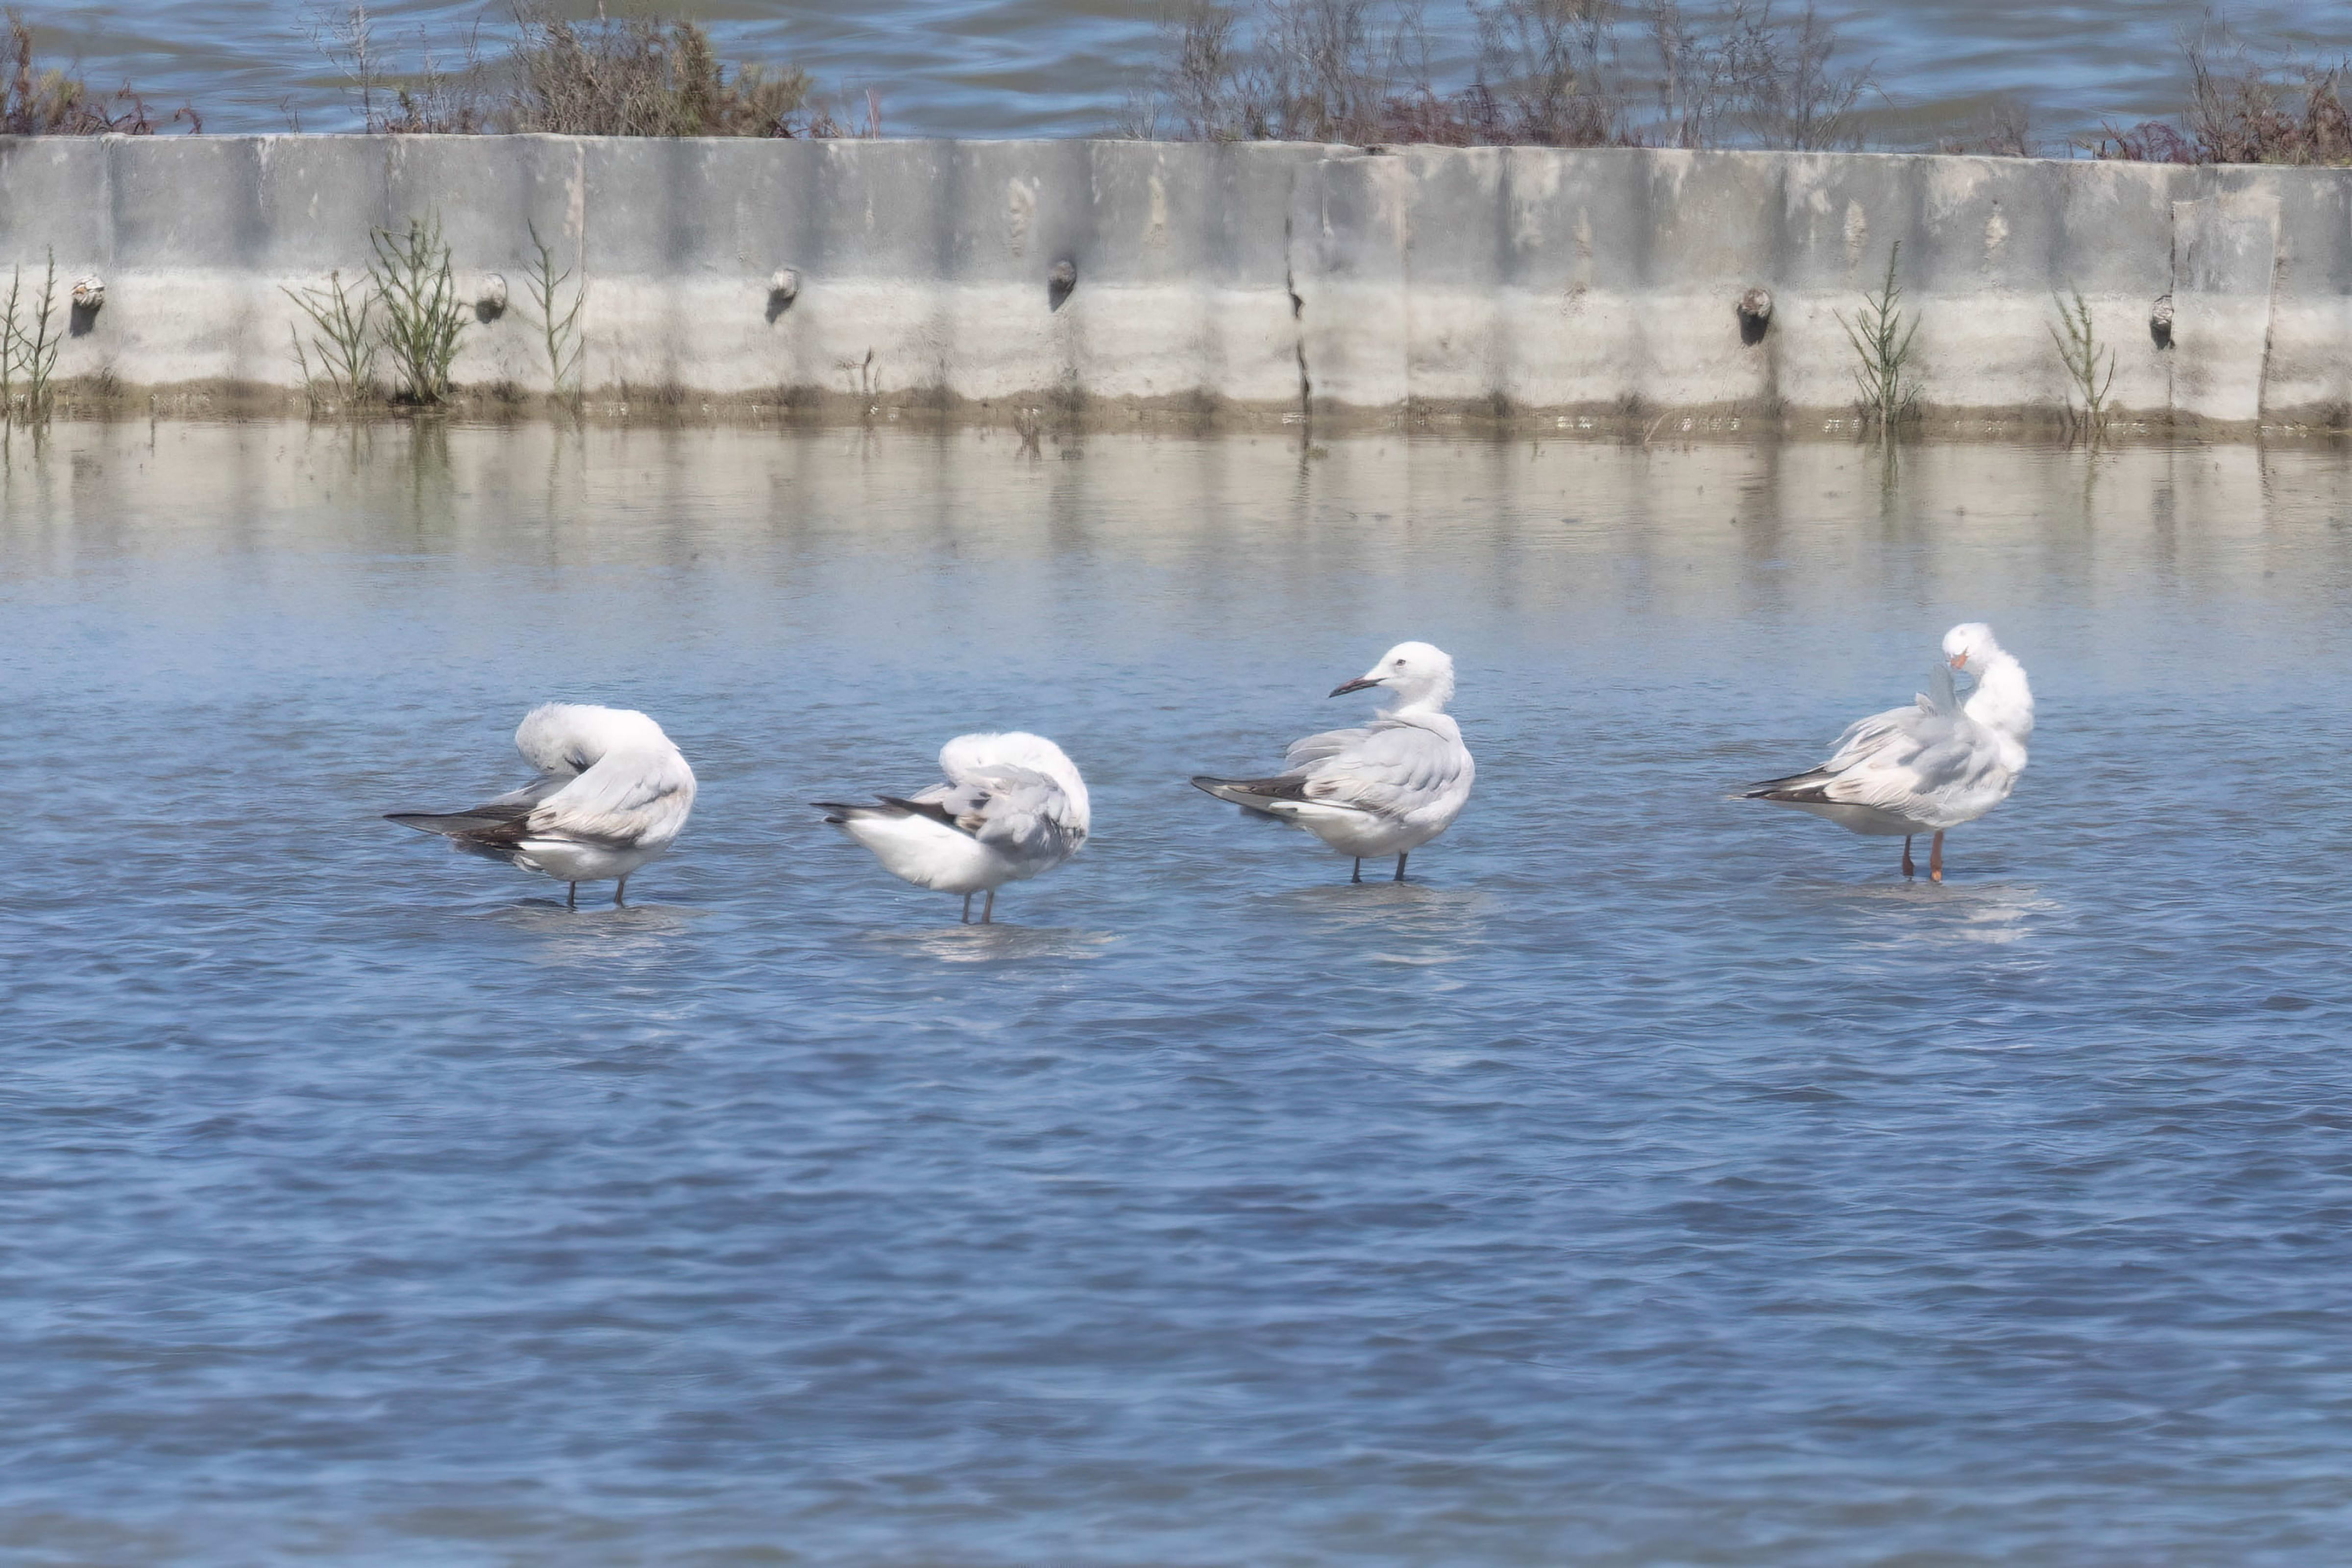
{"type": "Point", "coordinates": [1385, 789]}
{"type": "Point", "coordinates": [1928, 767]}
{"type": "Point", "coordinates": [613, 793]}
{"type": "Point", "coordinates": [1013, 807]}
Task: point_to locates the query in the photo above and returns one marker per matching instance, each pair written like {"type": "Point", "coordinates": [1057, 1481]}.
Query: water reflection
{"type": "Point", "coordinates": [1387, 921]}
{"type": "Point", "coordinates": [999, 942]}
{"type": "Point", "coordinates": [595, 934]}
{"type": "Point", "coordinates": [1919, 912]}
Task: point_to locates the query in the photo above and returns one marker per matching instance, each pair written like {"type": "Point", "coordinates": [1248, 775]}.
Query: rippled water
{"type": "Point", "coordinates": [1653, 1180]}
{"type": "Point", "coordinates": [1067, 68]}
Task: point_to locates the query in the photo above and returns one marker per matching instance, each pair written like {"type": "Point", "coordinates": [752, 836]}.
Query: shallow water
{"type": "Point", "coordinates": [1652, 1179]}
{"type": "Point", "coordinates": [1068, 68]}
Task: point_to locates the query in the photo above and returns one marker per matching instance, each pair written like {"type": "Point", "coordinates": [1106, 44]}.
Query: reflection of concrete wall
{"type": "Point", "coordinates": [1519, 280]}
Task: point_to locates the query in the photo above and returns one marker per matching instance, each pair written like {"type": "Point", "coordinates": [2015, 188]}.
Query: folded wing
{"type": "Point", "coordinates": [1907, 761]}
{"type": "Point", "coordinates": [1016, 810]}
{"type": "Point", "coordinates": [1388, 769]}
{"type": "Point", "coordinates": [607, 777]}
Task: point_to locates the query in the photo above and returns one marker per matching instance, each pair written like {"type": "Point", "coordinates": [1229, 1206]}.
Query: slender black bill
{"type": "Point", "coordinates": [1358, 684]}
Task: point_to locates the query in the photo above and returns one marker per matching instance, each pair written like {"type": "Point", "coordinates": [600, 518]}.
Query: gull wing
{"type": "Point", "coordinates": [1305, 753]}
{"type": "Point", "coordinates": [531, 793]}
{"type": "Point", "coordinates": [1388, 769]}
{"type": "Point", "coordinates": [627, 799]}
{"type": "Point", "coordinates": [1016, 810]}
{"type": "Point", "coordinates": [1901, 760]}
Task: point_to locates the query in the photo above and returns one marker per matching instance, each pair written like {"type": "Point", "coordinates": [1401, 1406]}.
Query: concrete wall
{"type": "Point", "coordinates": [1268, 275]}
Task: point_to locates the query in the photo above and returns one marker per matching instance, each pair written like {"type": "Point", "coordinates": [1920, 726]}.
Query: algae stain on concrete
{"type": "Point", "coordinates": [1020, 214]}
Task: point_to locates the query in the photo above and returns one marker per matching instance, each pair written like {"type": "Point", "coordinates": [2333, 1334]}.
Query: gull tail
{"type": "Point", "coordinates": [1798, 789]}
{"type": "Point", "coordinates": [450, 824]}
{"type": "Point", "coordinates": [1269, 797]}
{"type": "Point", "coordinates": [888, 807]}
{"type": "Point", "coordinates": [484, 831]}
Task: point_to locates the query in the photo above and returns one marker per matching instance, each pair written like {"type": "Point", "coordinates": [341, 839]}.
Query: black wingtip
{"type": "Point", "coordinates": [1811, 794]}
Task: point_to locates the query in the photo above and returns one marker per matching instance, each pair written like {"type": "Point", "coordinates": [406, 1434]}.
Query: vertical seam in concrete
{"type": "Point", "coordinates": [575, 213]}
{"type": "Point", "coordinates": [1298, 305]}
{"type": "Point", "coordinates": [2270, 316]}
{"type": "Point", "coordinates": [2173, 284]}
{"type": "Point", "coordinates": [109, 197]}
{"type": "Point", "coordinates": [1398, 177]}
{"type": "Point", "coordinates": [1777, 266]}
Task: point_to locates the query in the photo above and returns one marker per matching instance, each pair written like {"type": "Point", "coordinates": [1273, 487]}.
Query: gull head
{"type": "Point", "coordinates": [1419, 675]}
{"type": "Point", "coordinates": [1970, 644]}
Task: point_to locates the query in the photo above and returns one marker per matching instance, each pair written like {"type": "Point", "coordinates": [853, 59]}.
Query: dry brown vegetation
{"type": "Point", "coordinates": [2246, 105]}
{"type": "Point", "coordinates": [1562, 73]}
{"type": "Point", "coordinates": [50, 102]}
{"type": "Point", "coordinates": [639, 77]}
{"type": "Point", "coordinates": [1565, 73]}
{"type": "Point", "coordinates": [605, 76]}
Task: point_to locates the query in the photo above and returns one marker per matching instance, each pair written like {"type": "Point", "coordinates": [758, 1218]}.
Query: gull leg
{"type": "Point", "coordinates": [1359, 871]}
{"type": "Point", "coordinates": [1400, 876]}
{"type": "Point", "coordinates": [988, 909]}
{"type": "Point", "coordinates": [619, 902]}
{"type": "Point", "coordinates": [967, 909]}
{"type": "Point", "coordinates": [1908, 869]}
{"type": "Point", "coordinates": [572, 898]}
{"type": "Point", "coordinates": [1935, 858]}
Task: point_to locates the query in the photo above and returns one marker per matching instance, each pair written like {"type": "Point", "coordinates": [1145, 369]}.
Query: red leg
{"type": "Point", "coordinates": [1935, 858]}
{"type": "Point", "coordinates": [1908, 869]}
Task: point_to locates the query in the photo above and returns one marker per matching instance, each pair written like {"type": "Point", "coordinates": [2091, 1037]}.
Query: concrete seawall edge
{"type": "Point", "coordinates": [1210, 279]}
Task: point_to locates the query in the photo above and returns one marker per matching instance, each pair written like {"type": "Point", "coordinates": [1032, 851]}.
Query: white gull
{"type": "Point", "coordinates": [613, 793]}
{"type": "Point", "coordinates": [1013, 807]}
{"type": "Point", "coordinates": [1385, 789]}
{"type": "Point", "coordinates": [1930, 767]}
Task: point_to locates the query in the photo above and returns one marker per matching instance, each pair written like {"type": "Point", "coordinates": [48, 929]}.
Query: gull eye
{"type": "Point", "coordinates": [1400, 664]}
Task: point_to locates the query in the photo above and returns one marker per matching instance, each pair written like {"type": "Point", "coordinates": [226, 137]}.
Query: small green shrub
{"type": "Point", "coordinates": [422, 317]}
{"type": "Point", "coordinates": [2078, 347]}
{"type": "Point", "coordinates": [559, 324]}
{"type": "Point", "coordinates": [345, 343]}
{"type": "Point", "coordinates": [28, 352]}
{"type": "Point", "coordinates": [1882, 348]}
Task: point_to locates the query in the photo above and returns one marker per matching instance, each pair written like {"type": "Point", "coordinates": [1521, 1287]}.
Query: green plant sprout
{"type": "Point", "coordinates": [559, 329]}
{"type": "Point", "coordinates": [30, 353]}
{"type": "Point", "coordinates": [2078, 347]}
{"type": "Point", "coordinates": [422, 316]}
{"type": "Point", "coordinates": [1881, 344]}
{"type": "Point", "coordinates": [345, 344]}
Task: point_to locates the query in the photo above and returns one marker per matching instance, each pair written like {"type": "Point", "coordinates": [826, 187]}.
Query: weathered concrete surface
{"type": "Point", "coordinates": [1256, 276]}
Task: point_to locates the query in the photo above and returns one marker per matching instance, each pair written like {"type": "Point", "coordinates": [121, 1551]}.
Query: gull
{"type": "Point", "coordinates": [613, 793]}
{"type": "Point", "coordinates": [1385, 789]}
{"type": "Point", "coordinates": [1930, 767]}
{"type": "Point", "coordinates": [1013, 807]}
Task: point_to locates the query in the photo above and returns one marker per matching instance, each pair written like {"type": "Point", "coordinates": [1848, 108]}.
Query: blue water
{"type": "Point", "coordinates": [1071, 68]}
{"type": "Point", "coordinates": [1651, 1180]}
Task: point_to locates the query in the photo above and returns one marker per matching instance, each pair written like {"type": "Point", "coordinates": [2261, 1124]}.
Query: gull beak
{"type": "Point", "coordinates": [1358, 684]}
{"type": "Point", "coordinates": [1959, 662]}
